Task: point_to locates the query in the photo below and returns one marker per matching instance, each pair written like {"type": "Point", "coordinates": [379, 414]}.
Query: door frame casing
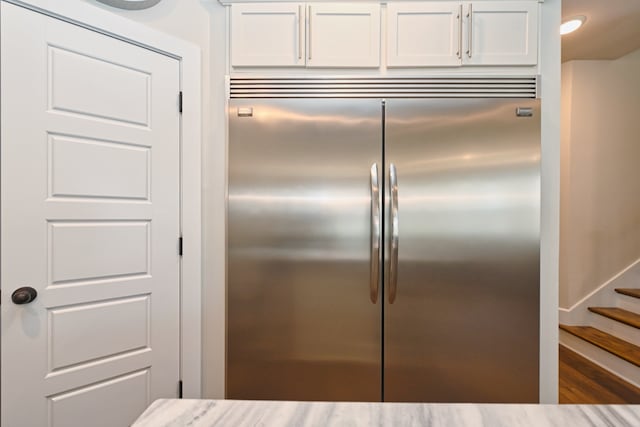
{"type": "Point", "coordinates": [189, 57]}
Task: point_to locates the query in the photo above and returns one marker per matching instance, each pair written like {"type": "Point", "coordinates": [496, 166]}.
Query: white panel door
{"type": "Point", "coordinates": [90, 220]}
{"type": "Point", "coordinates": [267, 35]}
{"type": "Point", "coordinates": [424, 34]}
{"type": "Point", "coordinates": [345, 35]}
{"type": "Point", "coordinates": [501, 33]}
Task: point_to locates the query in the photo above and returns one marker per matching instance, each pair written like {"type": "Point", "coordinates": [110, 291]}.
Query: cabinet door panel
{"type": "Point", "coordinates": [423, 34]}
{"type": "Point", "coordinates": [343, 35]}
{"type": "Point", "coordinates": [501, 33]}
{"type": "Point", "coordinates": [267, 35]}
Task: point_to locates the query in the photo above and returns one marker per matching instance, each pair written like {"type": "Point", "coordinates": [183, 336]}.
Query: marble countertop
{"type": "Point", "coordinates": [207, 413]}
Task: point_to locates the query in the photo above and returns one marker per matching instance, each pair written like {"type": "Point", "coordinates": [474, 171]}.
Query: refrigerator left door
{"type": "Point", "coordinates": [301, 321]}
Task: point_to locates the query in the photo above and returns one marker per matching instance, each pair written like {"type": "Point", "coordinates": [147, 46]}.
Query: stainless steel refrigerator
{"type": "Point", "coordinates": [383, 241]}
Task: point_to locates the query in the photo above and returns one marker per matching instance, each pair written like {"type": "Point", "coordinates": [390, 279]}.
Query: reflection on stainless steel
{"type": "Point", "coordinates": [393, 241]}
{"type": "Point", "coordinates": [464, 326]}
{"type": "Point", "coordinates": [307, 225]}
{"type": "Point", "coordinates": [376, 233]}
{"type": "Point", "coordinates": [300, 324]}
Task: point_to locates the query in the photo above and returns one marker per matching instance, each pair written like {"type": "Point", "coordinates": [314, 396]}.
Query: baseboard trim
{"type": "Point", "coordinates": [603, 296]}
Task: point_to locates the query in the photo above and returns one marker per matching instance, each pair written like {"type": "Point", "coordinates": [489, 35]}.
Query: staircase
{"type": "Point", "coordinates": [612, 336]}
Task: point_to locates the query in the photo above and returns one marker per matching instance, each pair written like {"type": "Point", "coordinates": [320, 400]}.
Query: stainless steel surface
{"type": "Point", "coordinates": [245, 112]}
{"type": "Point", "coordinates": [302, 236]}
{"type": "Point", "coordinates": [470, 31]}
{"type": "Point", "coordinates": [300, 324]}
{"type": "Point", "coordinates": [394, 240]}
{"type": "Point", "coordinates": [398, 94]}
{"type": "Point", "coordinates": [524, 112]}
{"type": "Point", "coordinates": [459, 53]}
{"type": "Point", "coordinates": [300, 29]}
{"type": "Point", "coordinates": [365, 87]}
{"type": "Point", "coordinates": [464, 325]}
{"type": "Point", "coordinates": [376, 235]}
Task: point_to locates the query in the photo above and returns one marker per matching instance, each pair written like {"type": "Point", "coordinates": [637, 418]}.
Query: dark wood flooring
{"type": "Point", "coordinates": [583, 382]}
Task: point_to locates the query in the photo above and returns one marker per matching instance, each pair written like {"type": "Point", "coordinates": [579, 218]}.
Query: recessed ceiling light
{"type": "Point", "coordinates": [572, 24]}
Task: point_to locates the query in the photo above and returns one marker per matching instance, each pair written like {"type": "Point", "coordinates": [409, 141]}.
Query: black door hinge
{"type": "Point", "coordinates": [180, 102]}
{"type": "Point", "coordinates": [180, 389]}
{"type": "Point", "coordinates": [180, 245]}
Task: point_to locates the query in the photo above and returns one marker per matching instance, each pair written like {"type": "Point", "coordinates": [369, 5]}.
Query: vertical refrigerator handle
{"type": "Point", "coordinates": [393, 244]}
{"type": "Point", "coordinates": [375, 235]}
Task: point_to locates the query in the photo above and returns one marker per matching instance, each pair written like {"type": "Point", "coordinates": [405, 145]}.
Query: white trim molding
{"type": "Point", "coordinates": [102, 21]}
{"type": "Point", "coordinates": [549, 62]}
{"type": "Point", "coordinates": [603, 296]}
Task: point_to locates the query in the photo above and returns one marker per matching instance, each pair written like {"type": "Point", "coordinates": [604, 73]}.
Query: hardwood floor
{"type": "Point", "coordinates": [581, 381]}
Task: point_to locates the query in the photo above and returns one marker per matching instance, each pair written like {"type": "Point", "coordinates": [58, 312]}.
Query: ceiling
{"type": "Point", "coordinates": [612, 29]}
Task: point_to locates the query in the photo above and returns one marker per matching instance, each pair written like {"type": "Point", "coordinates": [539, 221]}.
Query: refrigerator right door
{"type": "Point", "coordinates": [462, 250]}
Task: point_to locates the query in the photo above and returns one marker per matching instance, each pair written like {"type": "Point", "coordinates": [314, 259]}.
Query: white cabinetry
{"type": "Point", "coordinates": [426, 34]}
{"type": "Point", "coordinates": [501, 33]}
{"type": "Point", "coordinates": [267, 35]}
{"type": "Point", "coordinates": [343, 35]}
{"type": "Point", "coordinates": [422, 34]}
{"type": "Point", "coordinates": [337, 35]}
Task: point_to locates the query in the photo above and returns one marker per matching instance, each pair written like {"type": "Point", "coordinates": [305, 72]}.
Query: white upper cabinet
{"type": "Point", "coordinates": [418, 34]}
{"type": "Point", "coordinates": [501, 33]}
{"type": "Point", "coordinates": [343, 35]}
{"type": "Point", "coordinates": [449, 34]}
{"type": "Point", "coordinates": [267, 35]}
{"type": "Point", "coordinates": [423, 34]}
{"type": "Point", "coordinates": [336, 35]}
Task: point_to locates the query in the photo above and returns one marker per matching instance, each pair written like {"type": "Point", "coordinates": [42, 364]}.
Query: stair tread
{"type": "Point", "coordinates": [621, 315]}
{"type": "Point", "coordinates": [614, 345]}
{"type": "Point", "coordinates": [632, 292]}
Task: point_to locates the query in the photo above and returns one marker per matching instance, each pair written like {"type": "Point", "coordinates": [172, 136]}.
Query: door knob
{"type": "Point", "coordinates": [24, 295]}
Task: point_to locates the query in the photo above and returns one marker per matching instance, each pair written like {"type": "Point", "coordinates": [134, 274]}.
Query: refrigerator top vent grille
{"type": "Point", "coordinates": [432, 87]}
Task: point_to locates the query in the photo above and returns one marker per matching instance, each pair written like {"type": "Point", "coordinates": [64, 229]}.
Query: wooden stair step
{"type": "Point", "coordinates": [632, 292]}
{"type": "Point", "coordinates": [623, 349]}
{"type": "Point", "coordinates": [621, 315]}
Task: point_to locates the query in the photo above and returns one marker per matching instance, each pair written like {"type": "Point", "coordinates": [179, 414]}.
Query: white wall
{"type": "Point", "coordinates": [215, 182]}
{"type": "Point", "coordinates": [186, 19]}
{"type": "Point", "coordinates": [600, 188]}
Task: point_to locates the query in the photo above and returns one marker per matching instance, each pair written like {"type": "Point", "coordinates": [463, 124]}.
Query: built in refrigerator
{"type": "Point", "coordinates": [383, 240]}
